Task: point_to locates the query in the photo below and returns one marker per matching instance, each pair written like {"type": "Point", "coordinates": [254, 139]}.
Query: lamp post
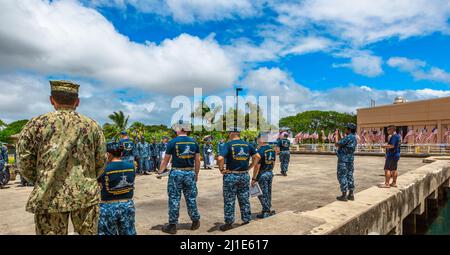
{"type": "Point", "coordinates": [236, 108]}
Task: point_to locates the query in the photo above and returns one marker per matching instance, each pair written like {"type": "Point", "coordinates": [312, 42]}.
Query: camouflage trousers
{"type": "Point", "coordinates": [265, 183]}
{"type": "Point", "coordinates": [154, 163]}
{"type": "Point", "coordinates": [345, 176]}
{"type": "Point", "coordinates": [284, 160]}
{"type": "Point", "coordinates": [144, 164]}
{"type": "Point", "coordinates": [85, 222]}
{"type": "Point", "coordinates": [117, 218]}
{"type": "Point", "coordinates": [206, 160]}
{"type": "Point", "coordinates": [182, 181]}
{"type": "Point", "coordinates": [236, 185]}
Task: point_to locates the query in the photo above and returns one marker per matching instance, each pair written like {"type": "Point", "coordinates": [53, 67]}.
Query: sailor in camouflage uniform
{"type": "Point", "coordinates": [154, 155]}
{"type": "Point", "coordinates": [207, 152]}
{"type": "Point", "coordinates": [143, 156]}
{"type": "Point", "coordinates": [345, 153]}
{"type": "Point", "coordinates": [185, 154]}
{"type": "Point", "coordinates": [263, 174]}
{"type": "Point", "coordinates": [63, 153]}
{"type": "Point", "coordinates": [4, 174]}
{"type": "Point", "coordinates": [236, 180]}
{"type": "Point", "coordinates": [283, 146]}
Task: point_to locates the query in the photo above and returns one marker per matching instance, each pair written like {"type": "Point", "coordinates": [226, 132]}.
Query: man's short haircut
{"type": "Point", "coordinates": [64, 98]}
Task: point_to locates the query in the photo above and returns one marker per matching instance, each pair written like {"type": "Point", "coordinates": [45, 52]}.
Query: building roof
{"type": "Point", "coordinates": [406, 103]}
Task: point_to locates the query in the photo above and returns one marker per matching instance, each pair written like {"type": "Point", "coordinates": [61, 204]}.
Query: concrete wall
{"type": "Point", "coordinates": [374, 209]}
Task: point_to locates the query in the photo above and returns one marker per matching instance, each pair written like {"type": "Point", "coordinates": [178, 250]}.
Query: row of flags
{"type": "Point", "coordinates": [422, 136]}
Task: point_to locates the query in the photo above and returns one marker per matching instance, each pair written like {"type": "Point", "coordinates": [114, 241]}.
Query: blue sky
{"type": "Point", "coordinates": [135, 55]}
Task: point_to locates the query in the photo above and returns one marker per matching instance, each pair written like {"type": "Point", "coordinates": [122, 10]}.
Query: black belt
{"type": "Point", "coordinates": [236, 172]}
{"type": "Point", "coordinates": [183, 168]}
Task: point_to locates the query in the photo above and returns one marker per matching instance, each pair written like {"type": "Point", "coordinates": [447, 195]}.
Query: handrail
{"type": "Point", "coordinates": [437, 149]}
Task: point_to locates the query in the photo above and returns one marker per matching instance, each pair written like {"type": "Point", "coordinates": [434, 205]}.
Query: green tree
{"type": "Point", "coordinates": [12, 129]}
{"type": "Point", "coordinates": [2, 124]}
{"type": "Point", "coordinates": [120, 123]}
{"type": "Point", "coordinates": [315, 121]}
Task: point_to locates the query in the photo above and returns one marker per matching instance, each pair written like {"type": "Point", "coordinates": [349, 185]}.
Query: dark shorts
{"type": "Point", "coordinates": [391, 163]}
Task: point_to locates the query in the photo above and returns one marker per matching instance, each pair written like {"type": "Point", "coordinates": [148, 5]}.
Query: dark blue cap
{"type": "Point", "coordinates": [351, 126]}
{"type": "Point", "coordinates": [113, 146]}
{"type": "Point", "coordinates": [123, 132]}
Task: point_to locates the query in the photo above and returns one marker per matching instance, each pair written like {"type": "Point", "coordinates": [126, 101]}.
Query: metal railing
{"type": "Point", "coordinates": [412, 149]}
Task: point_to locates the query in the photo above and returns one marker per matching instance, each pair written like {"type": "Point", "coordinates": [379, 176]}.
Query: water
{"type": "Point", "coordinates": [441, 224]}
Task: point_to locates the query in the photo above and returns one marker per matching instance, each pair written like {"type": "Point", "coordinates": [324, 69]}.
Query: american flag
{"type": "Point", "coordinates": [410, 133]}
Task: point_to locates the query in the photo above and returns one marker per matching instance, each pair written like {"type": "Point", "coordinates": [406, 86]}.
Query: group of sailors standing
{"type": "Point", "coordinates": [147, 155]}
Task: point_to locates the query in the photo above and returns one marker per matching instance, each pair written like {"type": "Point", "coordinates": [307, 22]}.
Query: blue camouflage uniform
{"type": "Point", "coordinates": [284, 145]}
{"type": "Point", "coordinates": [182, 177]}
{"type": "Point", "coordinates": [3, 161]}
{"type": "Point", "coordinates": [207, 151]}
{"type": "Point", "coordinates": [345, 154]}
{"type": "Point", "coordinates": [143, 156]}
{"type": "Point", "coordinates": [162, 148]}
{"type": "Point", "coordinates": [220, 147]}
{"type": "Point", "coordinates": [237, 154]}
{"type": "Point", "coordinates": [129, 150]}
{"type": "Point", "coordinates": [154, 156]}
{"type": "Point", "coordinates": [117, 211]}
{"type": "Point", "coordinates": [265, 176]}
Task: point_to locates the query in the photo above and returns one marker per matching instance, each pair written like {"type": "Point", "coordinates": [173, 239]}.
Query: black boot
{"type": "Point", "coordinates": [350, 195]}
{"type": "Point", "coordinates": [343, 197]}
{"type": "Point", "coordinates": [262, 215]}
{"type": "Point", "coordinates": [195, 225]}
{"type": "Point", "coordinates": [226, 227]}
{"type": "Point", "coordinates": [170, 229]}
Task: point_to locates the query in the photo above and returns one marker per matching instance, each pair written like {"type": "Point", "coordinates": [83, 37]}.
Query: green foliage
{"type": "Point", "coordinates": [12, 129]}
{"type": "Point", "coordinates": [311, 121]}
{"type": "Point", "coordinates": [120, 123]}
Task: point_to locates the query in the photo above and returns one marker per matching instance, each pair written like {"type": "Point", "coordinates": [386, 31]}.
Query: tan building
{"type": "Point", "coordinates": [418, 117]}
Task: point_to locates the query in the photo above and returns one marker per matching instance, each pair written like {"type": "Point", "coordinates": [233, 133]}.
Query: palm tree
{"type": "Point", "coordinates": [3, 124]}
{"type": "Point", "coordinates": [138, 128]}
{"type": "Point", "coordinates": [119, 120]}
{"type": "Point", "coordinates": [208, 115]}
{"type": "Point", "coordinates": [120, 123]}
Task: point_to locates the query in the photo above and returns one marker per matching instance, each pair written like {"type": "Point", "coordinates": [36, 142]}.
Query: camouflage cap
{"type": "Point", "coordinates": [64, 86]}
{"type": "Point", "coordinates": [351, 126]}
{"type": "Point", "coordinates": [113, 147]}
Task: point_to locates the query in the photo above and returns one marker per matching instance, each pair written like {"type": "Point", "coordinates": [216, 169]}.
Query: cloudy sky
{"type": "Point", "coordinates": [136, 55]}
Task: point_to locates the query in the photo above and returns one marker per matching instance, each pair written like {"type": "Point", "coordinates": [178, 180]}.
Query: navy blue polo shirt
{"type": "Point", "coordinates": [237, 154]}
{"type": "Point", "coordinates": [117, 181]}
{"type": "Point", "coordinates": [183, 150]}
{"type": "Point", "coordinates": [395, 141]}
{"type": "Point", "coordinates": [284, 144]}
{"type": "Point", "coordinates": [268, 157]}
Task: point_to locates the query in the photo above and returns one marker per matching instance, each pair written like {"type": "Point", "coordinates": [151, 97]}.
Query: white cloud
{"type": "Point", "coordinates": [272, 49]}
{"type": "Point", "coordinates": [366, 21]}
{"type": "Point", "coordinates": [27, 96]}
{"type": "Point", "coordinates": [419, 69]}
{"type": "Point", "coordinates": [192, 10]}
{"type": "Point", "coordinates": [364, 64]}
{"type": "Point", "coordinates": [63, 37]}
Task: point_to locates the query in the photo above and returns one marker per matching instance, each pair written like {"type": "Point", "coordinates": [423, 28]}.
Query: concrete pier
{"type": "Point", "coordinates": [375, 210]}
